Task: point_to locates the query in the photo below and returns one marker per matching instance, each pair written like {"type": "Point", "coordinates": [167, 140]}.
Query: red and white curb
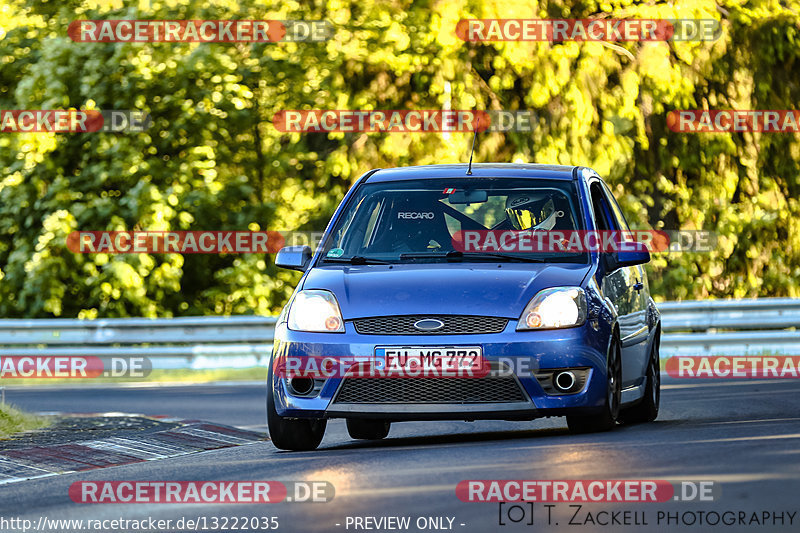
{"type": "Point", "coordinates": [192, 436]}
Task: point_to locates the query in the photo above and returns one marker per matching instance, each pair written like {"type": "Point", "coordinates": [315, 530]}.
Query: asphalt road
{"type": "Point", "coordinates": [743, 435]}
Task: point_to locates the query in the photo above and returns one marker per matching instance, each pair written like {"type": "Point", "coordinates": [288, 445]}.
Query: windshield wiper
{"type": "Point", "coordinates": [490, 255]}
{"type": "Point", "coordinates": [452, 255]}
{"type": "Point", "coordinates": [356, 260]}
{"type": "Point", "coordinates": [456, 255]}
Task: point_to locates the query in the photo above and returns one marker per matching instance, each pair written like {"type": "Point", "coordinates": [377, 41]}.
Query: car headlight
{"type": "Point", "coordinates": [559, 307]}
{"type": "Point", "coordinates": [315, 310]}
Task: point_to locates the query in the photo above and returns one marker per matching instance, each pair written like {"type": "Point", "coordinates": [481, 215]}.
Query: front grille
{"type": "Point", "coordinates": [502, 389]}
{"type": "Point", "coordinates": [453, 325]}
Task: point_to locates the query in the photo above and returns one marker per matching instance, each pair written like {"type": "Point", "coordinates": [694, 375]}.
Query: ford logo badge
{"type": "Point", "coordinates": [429, 324]}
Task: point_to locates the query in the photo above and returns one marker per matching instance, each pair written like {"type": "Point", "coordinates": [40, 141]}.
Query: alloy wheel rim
{"type": "Point", "coordinates": [614, 391]}
{"type": "Point", "coordinates": [655, 376]}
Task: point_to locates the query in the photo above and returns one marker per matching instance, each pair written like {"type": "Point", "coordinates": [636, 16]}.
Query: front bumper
{"type": "Point", "coordinates": [580, 347]}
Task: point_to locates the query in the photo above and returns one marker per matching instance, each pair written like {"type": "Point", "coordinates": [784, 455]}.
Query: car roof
{"type": "Point", "coordinates": [479, 170]}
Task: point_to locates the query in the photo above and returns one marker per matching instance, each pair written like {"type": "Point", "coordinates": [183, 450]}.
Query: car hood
{"type": "Point", "coordinates": [485, 290]}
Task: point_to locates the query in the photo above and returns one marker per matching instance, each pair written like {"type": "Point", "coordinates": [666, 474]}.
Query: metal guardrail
{"type": "Point", "coordinates": [712, 327]}
{"type": "Point", "coordinates": [201, 342]}
{"type": "Point", "coordinates": [731, 327]}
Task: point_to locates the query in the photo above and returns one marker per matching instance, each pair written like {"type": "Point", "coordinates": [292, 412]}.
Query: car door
{"type": "Point", "coordinates": [638, 328]}
{"type": "Point", "coordinates": [624, 288]}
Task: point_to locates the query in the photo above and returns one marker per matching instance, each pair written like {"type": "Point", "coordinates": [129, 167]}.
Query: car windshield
{"type": "Point", "coordinates": [430, 220]}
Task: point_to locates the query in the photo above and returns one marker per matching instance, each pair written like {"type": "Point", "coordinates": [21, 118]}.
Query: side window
{"type": "Point", "coordinates": [359, 227]}
{"type": "Point", "coordinates": [603, 218]}
{"type": "Point", "coordinates": [369, 233]}
{"type": "Point", "coordinates": [453, 224]}
{"type": "Point", "coordinates": [618, 216]}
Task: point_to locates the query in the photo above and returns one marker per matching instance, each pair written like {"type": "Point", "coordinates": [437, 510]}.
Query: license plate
{"type": "Point", "coordinates": [431, 359]}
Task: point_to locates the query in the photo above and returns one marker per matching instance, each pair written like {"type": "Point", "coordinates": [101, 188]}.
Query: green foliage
{"type": "Point", "coordinates": [12, 420]}
{"type": "Point", "coordinates": [213, 160]}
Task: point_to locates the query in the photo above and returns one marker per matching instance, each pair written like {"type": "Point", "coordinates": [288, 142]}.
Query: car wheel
{"type": "Point", "coordinates": [647, 409]}
{"type": "Point", "coordinates": [368, 429]}
{"type": "Point", "coordinates": [607, 419]}
{"type": "Point", "coordinates": [289, 434]}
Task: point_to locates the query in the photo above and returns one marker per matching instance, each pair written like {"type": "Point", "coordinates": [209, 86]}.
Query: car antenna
{"type": "Point", "coordinates": [469, 168]}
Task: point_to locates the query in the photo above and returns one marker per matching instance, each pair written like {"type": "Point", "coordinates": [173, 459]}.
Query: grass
{"type": "Point", "coordinates": [182, 375]}
{"type": "Point", "coordinates": [12, 420]}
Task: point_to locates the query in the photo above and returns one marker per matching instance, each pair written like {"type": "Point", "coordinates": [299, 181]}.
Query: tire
{"type": "Point", "coordinates": [368, 429]}
{"type": "Point", "coordinates": [647, 409]}
{"type": "Point", "coordinates": [289, 434]}
{"type": "Point", "coordinates": [607, 419]}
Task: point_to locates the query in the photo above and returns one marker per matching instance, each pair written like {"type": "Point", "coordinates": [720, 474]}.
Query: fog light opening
{"type": "Point", "coordinates": [564, 381]}
{"type": "Point", "coordinates": [301, 385]}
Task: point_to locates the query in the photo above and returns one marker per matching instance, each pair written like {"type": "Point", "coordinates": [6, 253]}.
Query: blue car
{"type": "Point", "coordinates": [430, 266]}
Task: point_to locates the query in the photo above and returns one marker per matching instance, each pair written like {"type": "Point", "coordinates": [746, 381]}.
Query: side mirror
{"type": "Point", "coordinates": [629, 254]}
{"type": "Point", "coordinates": [294, 257]}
